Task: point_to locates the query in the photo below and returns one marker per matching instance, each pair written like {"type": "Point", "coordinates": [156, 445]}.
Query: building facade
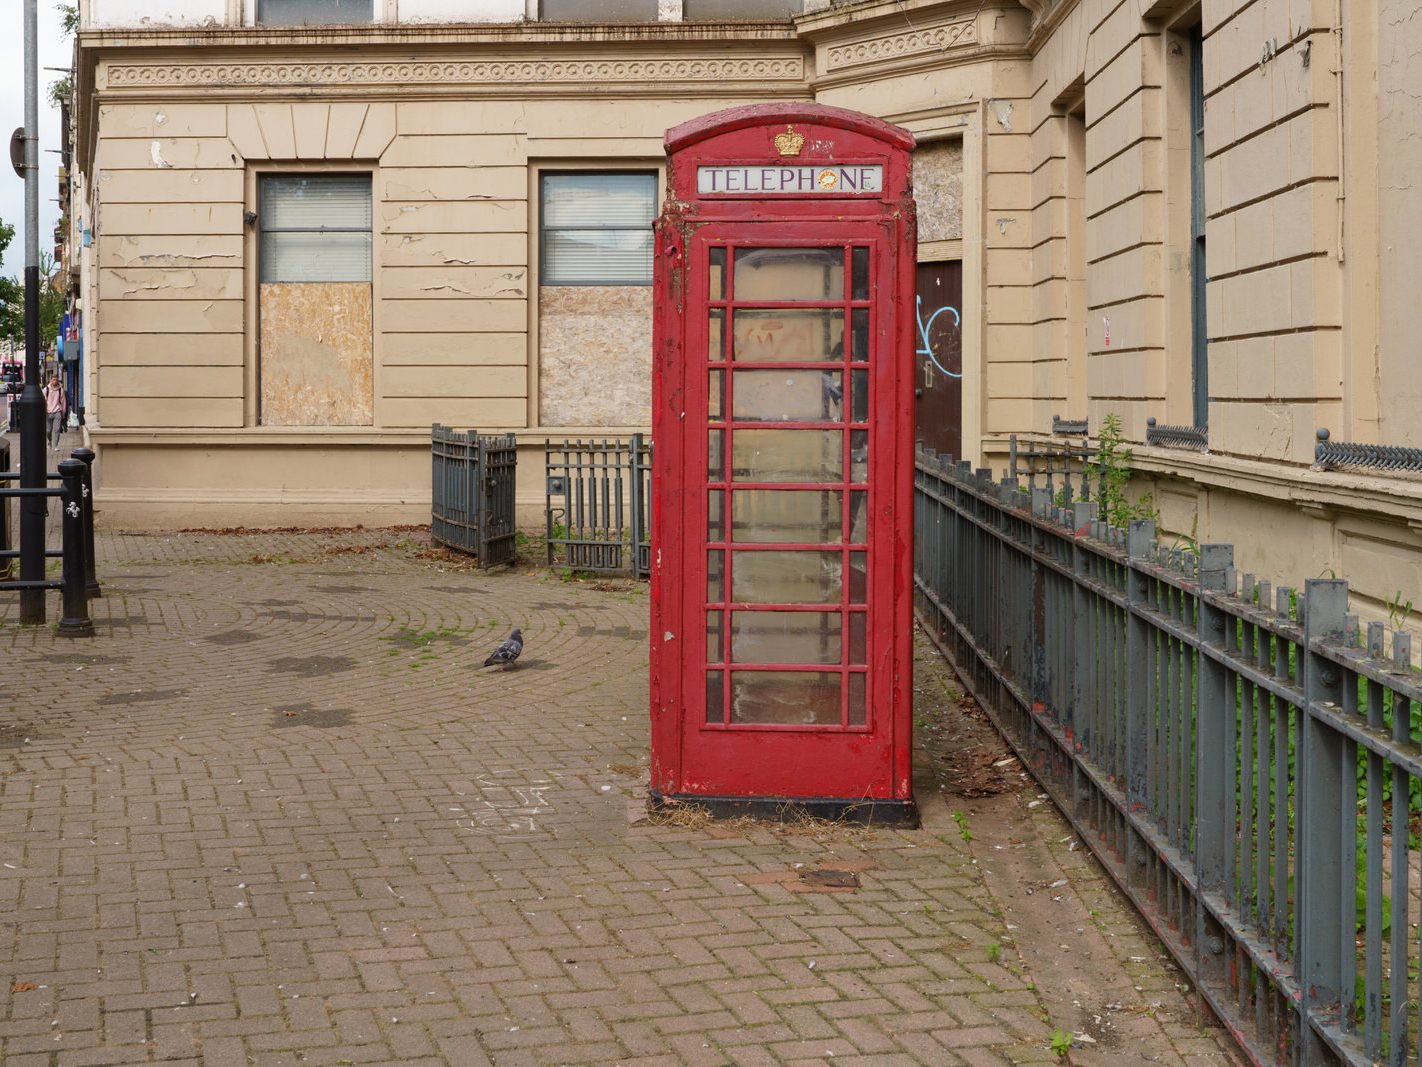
{"type": "Point", "coordinates": [314, 227]}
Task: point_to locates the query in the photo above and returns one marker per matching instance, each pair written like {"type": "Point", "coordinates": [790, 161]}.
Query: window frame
{"type": "Point", "coordinates": [543, 228]}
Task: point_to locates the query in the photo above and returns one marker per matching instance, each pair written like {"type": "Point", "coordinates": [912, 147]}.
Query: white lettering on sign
{"type": "Point", "coordinates": [790, 181]}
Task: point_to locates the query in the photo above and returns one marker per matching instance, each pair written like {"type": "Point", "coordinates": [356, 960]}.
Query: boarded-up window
{"type": "Point", "coordinates": [312, 12]}
{"type": "Point", "coordinates": [315, 344]}
{"type": "Point", "coordinates": [938, 189]}
{"type": "Point", "coordinates": [597, 228]}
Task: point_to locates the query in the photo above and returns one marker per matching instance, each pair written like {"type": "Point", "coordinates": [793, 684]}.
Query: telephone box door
{"type": "Point", "coordinates": [786, 590]}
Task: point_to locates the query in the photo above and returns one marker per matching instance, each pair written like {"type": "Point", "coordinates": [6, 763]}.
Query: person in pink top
{"type": "Point", "coordinates": [55, 405]}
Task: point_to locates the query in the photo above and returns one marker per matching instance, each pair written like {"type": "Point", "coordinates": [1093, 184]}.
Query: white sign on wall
{"type": "Point", "coordinates": [790, 181]}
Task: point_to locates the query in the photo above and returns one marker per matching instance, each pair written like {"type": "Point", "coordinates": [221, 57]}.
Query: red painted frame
{"type": "Point", "coordinates": [858, 767]}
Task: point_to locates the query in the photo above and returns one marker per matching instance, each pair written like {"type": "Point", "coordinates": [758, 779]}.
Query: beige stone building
{"type": "Point", "coordinates": [318, 226]}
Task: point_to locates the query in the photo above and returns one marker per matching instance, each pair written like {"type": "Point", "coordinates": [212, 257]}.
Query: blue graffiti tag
{"type": "Point", "coordinates": [924, 327]}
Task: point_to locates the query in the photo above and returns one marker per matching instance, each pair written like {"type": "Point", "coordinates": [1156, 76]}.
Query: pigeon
{"type": "Point", "coordinates": [507, 652]}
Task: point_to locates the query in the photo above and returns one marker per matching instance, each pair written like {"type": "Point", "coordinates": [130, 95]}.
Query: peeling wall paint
{"type": "Point", "coordinates": [164, 13]}
{"type": "Point", "coordinates": [595, 355]}
{"type": "Point", "coordinates": [316, 364]}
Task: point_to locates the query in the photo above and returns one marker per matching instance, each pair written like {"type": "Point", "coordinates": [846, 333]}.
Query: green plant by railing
{"type": "Point", "coordinates": [1113, 461]}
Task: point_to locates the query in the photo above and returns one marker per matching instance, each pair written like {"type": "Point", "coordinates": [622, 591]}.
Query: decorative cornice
{"type": "Point", "coordinates": [959, 33]}
{"type": "Point", "coordinates": [563, 71]}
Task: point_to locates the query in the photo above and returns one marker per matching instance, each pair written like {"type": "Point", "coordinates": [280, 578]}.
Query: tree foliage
{"type": "Point", "coordinates": [12, 294]}
{"type": "Point", "coordinates": [12, 298]}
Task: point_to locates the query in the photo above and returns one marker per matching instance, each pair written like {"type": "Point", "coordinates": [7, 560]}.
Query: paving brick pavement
{"type": "Point", "coordinates": [274, 814]}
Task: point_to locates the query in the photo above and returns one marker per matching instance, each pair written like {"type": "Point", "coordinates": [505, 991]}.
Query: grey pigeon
{"type": "Point", "coordinates": [507, 652]}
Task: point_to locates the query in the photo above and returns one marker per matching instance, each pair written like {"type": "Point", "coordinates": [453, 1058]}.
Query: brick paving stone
{"type": "Point", "coordinates": [275, 814]}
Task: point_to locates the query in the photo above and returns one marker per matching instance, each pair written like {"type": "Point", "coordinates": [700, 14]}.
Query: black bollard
{"type": "Point", "coordinates": [91, 578]}
{"type": "Point", "coordinates": [7, 540]}
{"type": "Point", "coordinates": [76, 621]}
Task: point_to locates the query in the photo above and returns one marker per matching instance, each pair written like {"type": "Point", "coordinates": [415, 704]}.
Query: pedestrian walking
{"type": "Point", "coordinates": [56, 406]}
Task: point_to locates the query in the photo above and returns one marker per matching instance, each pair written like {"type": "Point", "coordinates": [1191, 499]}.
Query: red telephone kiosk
{"type": "Point", "coordinates": [781, 658]}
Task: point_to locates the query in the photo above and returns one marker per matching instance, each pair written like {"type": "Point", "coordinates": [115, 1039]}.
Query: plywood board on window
{"type": "Point", "coordinates": [595, 355]}
{"type": "Point", "coordinates": [938, 189]}
{"type": "Point", "coordinates": [316, 356]}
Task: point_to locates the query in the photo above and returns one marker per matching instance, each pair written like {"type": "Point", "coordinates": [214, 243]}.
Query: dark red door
{"type": "Point", "coordinates": [938, 384]}
{"type": "Point", "coordinates": [789, 366]}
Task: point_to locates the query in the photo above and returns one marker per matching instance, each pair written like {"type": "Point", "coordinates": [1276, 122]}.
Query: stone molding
{"type": "Point", "coordinates": [444, 73]}
{"type": "Point", "coordinates": [959, 33]}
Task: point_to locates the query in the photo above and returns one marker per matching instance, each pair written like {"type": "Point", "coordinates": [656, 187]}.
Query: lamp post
{"type": "Point", "coordinates": [31, 404]}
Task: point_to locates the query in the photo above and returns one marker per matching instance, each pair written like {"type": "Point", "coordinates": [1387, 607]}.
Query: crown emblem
{"type": "Point", "coordinates": [789, 143]}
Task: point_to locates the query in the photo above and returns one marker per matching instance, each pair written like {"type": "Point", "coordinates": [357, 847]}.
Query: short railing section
{"type": "Point", "coordinates": [72, 486]}
{"type": "Point", "coordinates": [1189, 438]}
{"type": "Point", "coordinates": [1330, 455]}
{"type": "Point", "coordinates": [472, 499]}
{"type": "Point", "coordinates": [1244, 764]}
{"type": "Point", "coordinates": [598, 505]}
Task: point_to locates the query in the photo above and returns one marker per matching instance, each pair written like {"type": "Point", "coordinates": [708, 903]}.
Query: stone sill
{"type": "Point", "coordinates": [1397, 497]}
{"type": "Point", "coordinates": [370, 35]}
{"type": "Point", "coordinates": [334, 436]}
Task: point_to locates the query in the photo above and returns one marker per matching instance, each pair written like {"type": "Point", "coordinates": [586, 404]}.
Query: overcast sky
{"type": "Point", "coordinates": [54, 51]}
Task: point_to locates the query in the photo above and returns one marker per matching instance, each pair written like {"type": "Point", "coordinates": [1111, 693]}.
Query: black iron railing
{"type": "Point", "coordinates": [598, 505]}
{"type": "Point", "coordinates": [472, 493]}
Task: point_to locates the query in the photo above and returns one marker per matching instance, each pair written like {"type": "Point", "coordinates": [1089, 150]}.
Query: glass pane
{"type": "Point", "coordinates": [858, 517]}
{"type": "Point", "coordinates": [788, 396]}
{"type": "Point", "coordinates": [316, 202]}
{"type": "Point", "coordinates": [796, 516]}
{"type": "Point", "coordinates": [716, 395]}
{"type": "Point", "coordinates": [714, 650]}
{"type": "Point", "coordinates": [597, 257]}
{"type": "Point", "coordinates": [859, 346]}
{"type": "Point", "coordinates": [312, 12]}
{"type": "Point", "coordinates": [785, 637]}
{"type": "Point", "coordinates": [858, 577]}
{"type": "Point", "coordinates": [787, 455]}
{"type": "Point", "coordinates": [716, 576]}
{"type": "Point", "coordinates": [814, 336]}
{"type": "Point", "coordinates": [715, 454]}
{"type": "Point", "coordinates": [796, 577]}
{"type": "Point", "coordinates": [715, 515]}
{"type": "Point", "coordinates": [859, 269]}
{"type": "Point", "coordinates": [858, 708]}
{"type": "Point", "coordinates": [859, 393]}
{"type": "Point", "coordinates": [858, 645]}
{"type": "Point", "coordinates": [716, 274]}
{"type": "Point", "coordinates": [785, 698]}
{"type": "Point", "coordinates": [789, 274]}
{"type": "Point", "coordinates": [715, 696]}
{"type": "Point", "coordinates": [595, 200]}
{"type": "Point", "coordinates": [313, 256]}
{"type": "Point", "coordinates": [858, 455]}
{"type": "Point", "coordinates": [716, 336]}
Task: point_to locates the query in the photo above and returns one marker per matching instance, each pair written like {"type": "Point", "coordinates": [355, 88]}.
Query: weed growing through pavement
{"type": "Point", "coordinates": [994, 952]}
{"type": "Point", "coordinates": [1061, 1042]}
{"type": "Point", "coordinates": [962, 821]}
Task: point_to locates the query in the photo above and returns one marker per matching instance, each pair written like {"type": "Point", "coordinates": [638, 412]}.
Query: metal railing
{"type": "Point", "coordinates": [598, 505]}
{"type": "Point", "coordinates": [78, 579]}
{"type": "Point", "coordinates": [1247, 771]}
{"type": "Point", "coordinates": [1191, 438]}
{"type": "Point", "coordinates": [1065, 469]}
{"type": "Point", "coordinates": [1329, 454]}
{"type": "Point", "coordinates": [472, 494]}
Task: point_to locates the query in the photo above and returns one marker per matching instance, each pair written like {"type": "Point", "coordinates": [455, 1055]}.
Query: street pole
{"type": "Point", "coordinates": [33, 509]}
